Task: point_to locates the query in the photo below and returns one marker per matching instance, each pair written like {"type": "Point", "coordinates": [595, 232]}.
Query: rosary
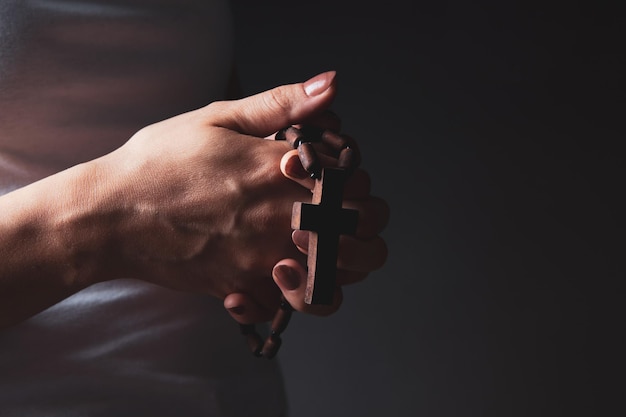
{"type": "Point", "coordinates": [324, 218]}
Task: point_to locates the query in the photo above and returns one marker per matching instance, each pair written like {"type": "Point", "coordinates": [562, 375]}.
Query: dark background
{"type": "Point", "coordinates": [493, 131]}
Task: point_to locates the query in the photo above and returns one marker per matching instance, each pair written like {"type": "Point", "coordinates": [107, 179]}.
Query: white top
{"type": "Point", "coordinates": [77, 79]}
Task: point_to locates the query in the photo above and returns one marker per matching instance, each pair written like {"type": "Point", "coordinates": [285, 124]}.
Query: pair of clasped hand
{"type": "Point", "coordinates": [211, 211]}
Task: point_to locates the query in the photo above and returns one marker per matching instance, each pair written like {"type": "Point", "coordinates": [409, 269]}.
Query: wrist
{"type": "Point", "coordinates": [53, 242]}
{"type": "Point", "coordinates": [82, 221]}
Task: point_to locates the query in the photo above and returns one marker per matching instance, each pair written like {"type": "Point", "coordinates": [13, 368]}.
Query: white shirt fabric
{"type": "Point", "coordinates": [77, 79]}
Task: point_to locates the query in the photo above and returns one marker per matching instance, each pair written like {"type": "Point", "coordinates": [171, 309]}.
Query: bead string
{"type": "Point", "coordinates": [269, 348]}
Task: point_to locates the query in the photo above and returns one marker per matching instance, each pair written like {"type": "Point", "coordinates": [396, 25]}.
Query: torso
{"type": "Point", "coordinates": [77, 79]}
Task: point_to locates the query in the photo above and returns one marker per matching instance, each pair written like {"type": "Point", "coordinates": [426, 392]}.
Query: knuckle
{"type": "Point", "coordinates": [218, 110]}
{"type": "Point", "coordinates": [278, 99]}
{"type": "Point", "coordinates": [212, 108]}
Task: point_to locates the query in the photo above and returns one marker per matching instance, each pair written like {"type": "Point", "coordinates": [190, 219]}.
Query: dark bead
{"type": "Point", "coordinates": [312, 133]}
{"type": "Point", "coordinates": [271, 346]}
{"type": "Point", "coordinates": [284, 304]}
{"type": "Point", "coordinates": [346, 159]}
{"type": "Point", "coordinates": [309, 159]}
{"type": "Point", "coordinates": [294, 136]}
{"type": "Point", "coordinates": [281, 320]}
{"type": "Point", "coordinates": [334, 140]}
{"type": "Point", "coordinates": [280, 135]}
{"type": "Point", "coordinates": [255, 343]}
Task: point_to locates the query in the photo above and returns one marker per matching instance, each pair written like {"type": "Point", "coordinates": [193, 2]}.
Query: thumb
{"type": "Point", "coordinates": [265, 113]}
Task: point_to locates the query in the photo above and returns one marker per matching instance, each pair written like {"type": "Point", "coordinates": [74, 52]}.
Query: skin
{"type": "Point", "coordinates": [198, 202]}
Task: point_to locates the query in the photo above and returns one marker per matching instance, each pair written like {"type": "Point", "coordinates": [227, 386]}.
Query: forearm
{"type": "Point", "coordinates": [47, 251]}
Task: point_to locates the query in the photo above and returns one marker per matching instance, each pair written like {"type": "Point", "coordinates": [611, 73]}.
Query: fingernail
{"type": "Point", "coordinates": [287, 277]}
{"type": "Point", "coordinates": [320, 83]}
{"type": "Point", "coordinates": [237, 310]}
{"type": "Point", "coordinates": [295, 169]}
{"type": "Point", "coordinates": [300, 238]}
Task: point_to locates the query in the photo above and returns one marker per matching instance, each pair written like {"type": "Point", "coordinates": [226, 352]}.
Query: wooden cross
{"type": "Point", "coordinates": [326, 220]}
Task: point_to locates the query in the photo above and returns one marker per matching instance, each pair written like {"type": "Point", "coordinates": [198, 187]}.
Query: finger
{"type": "Point", "coordinates": [326, 120]}
{"type": "Point", "coordinates": [245, 310]}
{"type": "Point", "coordinates": [357, 186]}
{"type": "Point", "coordinates": [352, 143]}
{"type": "Point", "coordinates": [290, 277]}
{"type": "Point", "coordinates": [267, 112]}
{"type": "Point", "coordinates": [345, 277]}
{"type": "Point", "coordinates": [292, 168]}
{"type": "Point", "coordinates": [373, 216]}
{"type": "Point", "coordinates": [364, 255]}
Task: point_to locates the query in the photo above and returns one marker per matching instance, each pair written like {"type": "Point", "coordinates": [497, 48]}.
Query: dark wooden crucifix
{"type": "Point", "coordinates": [326, 220]}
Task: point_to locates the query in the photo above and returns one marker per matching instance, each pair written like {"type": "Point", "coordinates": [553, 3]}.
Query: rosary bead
{"type": "Point", "coordinates": [255, 343]}
{"type": "Point", "coordinates": [284, 304]}
{"type": "Point", "coordinates": [280, 135]}
{"type": "Point", "coordinates": [312, 133]}
{"type": "Point", "coordinates": [271, 346]}
{"type": "Point", "coordinates": [281, 320]}
{"type": "Point", "coordinates": [309, 159]}
{"type": "Point", "coordinates": [293, 136]}
{"type": "Point", "coordinates": [346, 159]}
{"type": "Point", "coordinates": [334, 140]}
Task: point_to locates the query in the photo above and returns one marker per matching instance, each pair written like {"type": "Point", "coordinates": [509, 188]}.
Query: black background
{"type": "Point", "coordinates": [493, 131]}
